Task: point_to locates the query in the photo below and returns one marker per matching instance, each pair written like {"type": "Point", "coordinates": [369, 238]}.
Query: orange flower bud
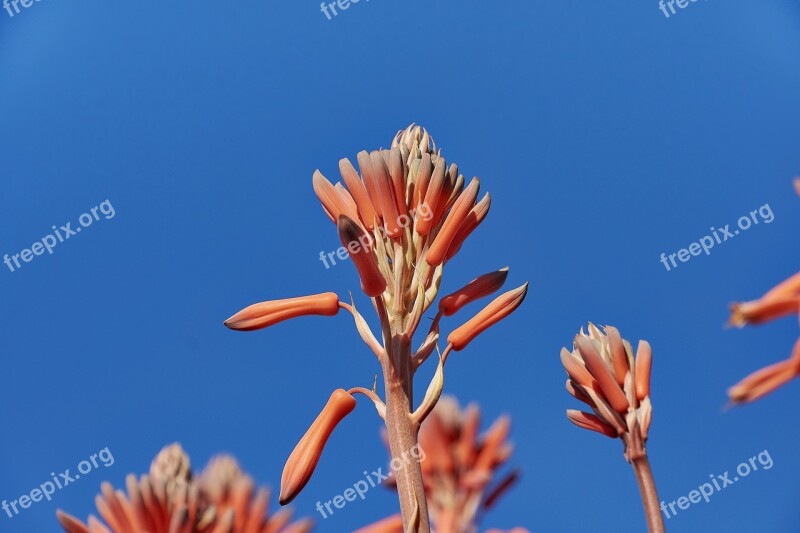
{"type": "Point", "coordinates": [767, 380]}
{"type": "Point", "coordinates": [576, 371]}
{"type": "Point", "coordinates": [473, 220]}
{"type": "Point", "coordinates": [397, 172]}
{"type": "Point", "coordinates": [328, 197]}
{"type": "Point", "coordinates": [497, 310]}
{"type": "Point", "coordinates": [305, 456]}
{"type": "Point", "coordinates": [643, 364]}
{"type": "Point", "coordinates": [264, 314]}
{"type": "Point", "coordinates": [365, 164]}
{"type": "Point", "coordinates": [601, 373]}
{"type": "Point", "coordinates": [458, 214]}
{"type": "Point", "coordinates": [358, 243]}
{"type": "Point", "coordinates": [423, 179]}
{"type": "Point", "coordinates": [359, 192]}
{"type": "Point", "coordinates": [477, 288]}
{"type": "Point", "coordinates": [70, 523]}
{"type": "Point", "coordinates": [618, 355]}
{"type": "Point", "coordinates": [385, 189]}
{"type": "Point", "coordinates": [764, 310]}
{"type": "Point", "coordinates": [433, 196]}
{"type": "Point", "coordinates": [591, 422]}
{"type": "Point", "coordinates": [786, 288]}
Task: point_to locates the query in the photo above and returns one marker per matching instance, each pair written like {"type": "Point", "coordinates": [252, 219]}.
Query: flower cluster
{"type": "Point", "coordinates": [604, 375]}
{"type": "Point", "coordinates": [460, 469]}
{"type": "Point", "coordinates": [402, 215]}
{"type": "Point", "coordinates": [171, 500]}
{"type": "Point", "coordinates": [780, 301]}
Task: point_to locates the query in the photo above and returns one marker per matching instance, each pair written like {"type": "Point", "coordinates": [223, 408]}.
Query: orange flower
{"type": "Point", "coordinates": [170, 499]}
{"type": "Point", "coordinates": [305, 456]}
{"type": "Point", "coordinates": [458, 214]}
{"type": "Point", "coordinates": [264, 314]}
{"type": "Point", "coordinates": [767, 380]}
{"type": "Point", "coordinates": [501, 307]}
{"type": "Point", "coordinates": [782, 300]}
{"type": "Point", "coordinates": [358, 244]}
{"type": "Point", "coordinates": [477, 288]}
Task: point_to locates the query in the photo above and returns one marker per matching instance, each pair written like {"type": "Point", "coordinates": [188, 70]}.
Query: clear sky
{"type": "Point", "coordinates": [607, 134]}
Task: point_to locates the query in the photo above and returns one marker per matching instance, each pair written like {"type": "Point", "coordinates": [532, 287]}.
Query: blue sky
{"type": "Point", "coordinates": [606, 134]}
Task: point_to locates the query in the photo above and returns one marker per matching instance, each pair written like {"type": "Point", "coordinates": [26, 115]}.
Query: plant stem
{"type": "Point", "coordinates": [647, 487]}
{"type": "Point", "coordinates": [403, 432]}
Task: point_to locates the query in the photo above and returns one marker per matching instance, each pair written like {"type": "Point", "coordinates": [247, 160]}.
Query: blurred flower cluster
{"type": "Point", "coordinates": [460, 469]}
{"type": "Point", "coordinates": [170, 499]}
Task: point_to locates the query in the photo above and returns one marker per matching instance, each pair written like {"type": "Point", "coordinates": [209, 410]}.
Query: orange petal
{"type": "Point", "coordinates": [590, 421]}
{"type": "Point", "coordinates": [264, 314]}
{"type": "Point", "coordinates": [392, 524]}
{"type": "Point", "coordinates": [786, 288]}
{"type": "Point", "coordinates": [600, 371]}
{"type": "Point", "coordinates": [643, 364]}
{"type": "Point", "coordinates": [576, 370]}
{"type": "Point", "coordinates": [618, 355]}
{"type": "Point", "coordinates": [458, 214]}
{"type": "Point", "coordinates": [473, 220]}
{"type": "Point", "coordinates": [359, 192]}
{"type": "Point", "coordinates": [497, 310]}
{"type": "Point", "coordinates": [760, 311]}
{"type": "Point", "coordinates": [477, 288]}
{"type": "Point", "coordinates": [385, 190]}
{"type": "Point", "coordinates": [423, 179]}
{"type": "Point", "coordinates": [70, 523]}
{"type": "Point", "coordinates": [397, 172]}
{"type": "Point", "coordinates": [763, 382]}
{"type": "Point", "coordinates": [365, 164]}
{"type": "Point", "coordinates": [433, 197]}
{"type": "Point", "coordinates": [327, 195]}
{"type": "Point", "coordinates": [358, 243]}
{"type": "Point", "coordinates": [305, 456]}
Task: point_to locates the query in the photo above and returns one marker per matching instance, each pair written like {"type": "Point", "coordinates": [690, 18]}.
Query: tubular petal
{"type": "Point", "coordinates": [477, 288]}
{"type": "Point", "coordinates": [264, 314]}
{"type": "Point", "coordinates": [458, 214]}
{"type": "Point", "coordinates": [498, 309]}
{"type": "Point", "coordinates": [591, 422]}
{"type": "Point", "coordinates": [358, 244]}
{"type": "Point", "coordinates": [598, 369]}
{"type": "Point", "coordinates": [305, 456]}
{"type": "Point", "coordinates": [644, 363]}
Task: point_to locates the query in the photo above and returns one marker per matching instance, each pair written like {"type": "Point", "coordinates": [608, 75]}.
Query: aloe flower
{"type": "Point", "coordinates": [459, 469]}
{"type": "Point", "coordinates": [402, 215]}
{"type": "Point", "coordinates": [171, 500]}
{"type": "Point", "coordinates": [604, 374]}
{"type": "Point", "coordinates": [781, 301]}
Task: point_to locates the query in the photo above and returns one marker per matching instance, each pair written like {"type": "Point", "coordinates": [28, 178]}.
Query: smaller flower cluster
{"type": "Point", "coordinates": [780, 301]}
{"type": "Point", "coordinates": [171, 500]}
{"type": "Point", "coordinates": [604, 375]}
{"type": "Point", "coordinates": [459, 469]}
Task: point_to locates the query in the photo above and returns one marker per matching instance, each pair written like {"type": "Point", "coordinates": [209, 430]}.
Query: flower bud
{"type": "Point", "coordinates": [305, 456]}
{"type": "Point", "coordinates": [591, 422]}
{"type": "Point", "coordinates": [478, 288]}
{"type": "Point", "coordinates": [356, 187]}
{"type": "Point", "coordinates": [473, 220]}
{"type": "Point", "coordinates": [497, 310]}
{"type": "Point", "coordinates": [601, 373]}
{"type": "Point", "coordinates": [458, 214]}
{"type": "Point", "coordinates": [264, 314]}
{"type": "Point", "coordinates": [358, 244]}
{"type": "Point", "coordinates": [643, 364]}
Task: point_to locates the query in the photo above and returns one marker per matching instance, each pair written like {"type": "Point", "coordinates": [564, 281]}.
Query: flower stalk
{"type": "Point", "coordinates": [402, 215]}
